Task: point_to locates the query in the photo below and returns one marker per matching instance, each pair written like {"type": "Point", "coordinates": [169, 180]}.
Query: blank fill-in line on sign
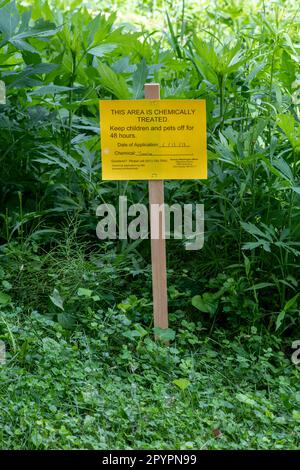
{"type": "Point", "coordinates": [167, 154]}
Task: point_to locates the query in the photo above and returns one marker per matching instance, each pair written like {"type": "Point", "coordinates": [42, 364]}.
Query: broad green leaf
{"type": "Point", "coordinates": [255, 231]}
{"type": "Point", "coordinates": [258, 67]}
{"type": "Point", "coordinates": [56, 299]}
{"type": "Point", "coordinates": [296, 415]}
{"type": "Point", "coordinates": [207, 303]}
{"type": "Point", "coordinates": [258, 244]}
{"type": "Point", "coordinates": [132, 334]}
{"type": "Point", "coordinates": [82, 292]}
{"type": "Point", "coordinates": [102, 49]}
{"type": "Point", "coordinates": [23, 45]}
{"type": "Point", "coordinates": [207, 53]}
{"type": "Point", "coordinates": [64, 161]}
{"type": "Point", "coordinates": [112, 82]}
{"type": "Point", "coordinates": [50, 90]}
{"type": "Point", "coordinates": [247, 265]}
{"type": "Point", "coordinates": [164, 334]}
{"type": "Point", "coordinates": [40, 68]}
{"type": "Point", "coordinates": [272, 168]}
{"type": "Point", "coordinates": [51, 161]}
{"type": "Point", "coordinates": [280, 319]}
{"type": "Point", "coordinates": [39, 32]}
{"type": "Point", "coordinates": [289, 304]}
{"type": "Point", "coordinates": [124, 307]}
{"type": "Point", "coordinates": [139, 79]}
{"type": "Point", "coordinates": [36, 438]}
{"type": "Point", "coordinates": [205, 60]}
{"type": "Point", "coordinates": [66, 320]}
{"type": "Point", "coordinates": [287, 124]}
{"type": "Point", "coordinates": [51, 346]}
{"type": "Point", "coordinates": [23, 79]}
{"type": "Point", "coordinates": [245, 399]}
{"type": "Point", "coordinates": [7, 285]}
{"type": "Point", "coordinates": [182, 383]}
{"type": "Point", "coordinates": [142, 332]}
{"type": "Point", "coordinates": [100, 28]}
{"type": "Point", "coordinates": [237, 60]}
{"type": "Point", "coordinates": [9, 19]}
{"type": "Point", "coordinates": [284, 168]}
{"type": "Point", "coordinates": [296, 189]}
{"type": "Point", "coordinates": [4, 298]}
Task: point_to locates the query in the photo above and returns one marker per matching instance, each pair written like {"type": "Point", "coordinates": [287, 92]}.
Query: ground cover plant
{"type": "Point", "coordinates": [82, 368]}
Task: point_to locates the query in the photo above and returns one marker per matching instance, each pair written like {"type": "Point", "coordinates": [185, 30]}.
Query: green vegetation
{"type": "Point", "coordinates": [82, 369]}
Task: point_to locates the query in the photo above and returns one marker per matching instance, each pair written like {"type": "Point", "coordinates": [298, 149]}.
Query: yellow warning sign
{"type": "Point", "coordinates": [153, 139]}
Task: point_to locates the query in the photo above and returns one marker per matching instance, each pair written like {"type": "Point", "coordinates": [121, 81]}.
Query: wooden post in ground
{"type": "Point", "coordinates": [158, 246]}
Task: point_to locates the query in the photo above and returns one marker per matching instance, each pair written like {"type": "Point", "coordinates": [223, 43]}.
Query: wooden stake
{"type": "Point", "coordinates": [158, 246]}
